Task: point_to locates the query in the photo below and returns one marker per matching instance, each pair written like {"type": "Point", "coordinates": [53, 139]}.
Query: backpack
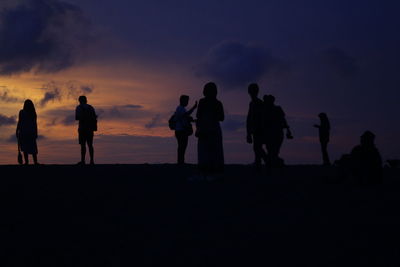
{"type": "Point", "coordinates": [172, 122]}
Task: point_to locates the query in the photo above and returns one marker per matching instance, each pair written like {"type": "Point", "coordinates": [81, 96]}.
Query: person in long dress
{"type": "Point", "coordinates": [27, 131]}
{"type": "Point", "coordinates": [210, 113]}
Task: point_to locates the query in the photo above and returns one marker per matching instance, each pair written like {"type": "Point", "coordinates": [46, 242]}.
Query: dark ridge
{"type": "Point", "coordinates": [122, 215]}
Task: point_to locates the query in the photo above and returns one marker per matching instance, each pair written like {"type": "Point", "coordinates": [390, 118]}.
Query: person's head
{"type": "Point", "coordinates": [29, 107]}
{"type": "Point", "coordinates": [210, 90]}
{"type": "Point", "coordinates": [322, 115]}
{"type": "Point", "coordinates": [184, 100]}
{"type": "Point", "coordinates": [253, 90]}
{"type": "Point", "coordinates": [82, 99]}
{"type": "Point", "coordinates": [367, 139]}
{"type": "Point", "coordinates": [269, 100]}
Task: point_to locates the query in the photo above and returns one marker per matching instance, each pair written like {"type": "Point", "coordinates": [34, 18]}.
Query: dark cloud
{"type": "Point", "coordinates": [67, 116]}
{"type": "Point", "coordinates": [235, 64]}
{"type": "Point", "coordinates": [57, 91]}
{"type": "Point", "coordinates": [51, 95]}
{"type": "Point", "coordinates": [234, 123]}
{"type": "Point", "coordinates": [154, 122]}
{"type": "Point", "coordinates": [340, 62]}
{"type": "Point", "coordinates": [13, 138]}
{"type": "Point", "coordinates": [69, 120]}
{"type": "Point", "coordinates": [133, 106]}
{"type": "Point", "coordinates": [7, 98]}
{"type": "Point", "coordinates": [7, 121]}
{"type": "Point", "coordinates": [41, 35]}
{"type": "Point", "coordinates": [121, 112]}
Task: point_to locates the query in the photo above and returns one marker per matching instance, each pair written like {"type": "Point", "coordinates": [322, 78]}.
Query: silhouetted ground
{"type": "Point", "coordinates": [126, 215]}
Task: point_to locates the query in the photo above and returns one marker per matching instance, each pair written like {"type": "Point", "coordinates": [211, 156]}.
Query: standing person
{"type": "Point", "coordinates": [324, 129]}
{"type": "Point", "coordinates": [183, 127]}
{"type": "Point", "coordinates": [209, 115]}
{"type": "Point", "coordinates": [254, 125]}
{"type": "Point", "coordinates": [274, 123]}
{"type": "Point", "coordinates": [27, 131]}
{"type": "Point", "coordinates": [86, 115]}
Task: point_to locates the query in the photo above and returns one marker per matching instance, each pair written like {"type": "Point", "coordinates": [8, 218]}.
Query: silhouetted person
{"type": "Point", "coordinates": [274, 123]}
{"type": "Point", "coordinates": [183, 127]}
{"type": "Point", "coordinates": [86, 115]}
{"type": "Point", "coordinates": [324, 130]}
{"type": "Point", "coordinates": [209, 114]}
{"type": "Point", "coordinates": [366, 161]}
{"type": "Point", "coordinates": [27, 131]}
{"type": "Point", "coordinates": [255, 125]}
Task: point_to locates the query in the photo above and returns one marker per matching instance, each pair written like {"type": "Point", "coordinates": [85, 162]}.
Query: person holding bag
{"type": "Point", "coordinates": [183, 126]}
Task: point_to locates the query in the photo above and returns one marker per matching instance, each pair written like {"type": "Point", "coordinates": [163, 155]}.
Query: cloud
{"type": "Point", "coordinates": [340, 62]}
{"type": "Point", "coordinates": [235, 64]}
{"type": "Point", "coordinates": [233, 123]}
{"type": "Point", "coordinates": [66, 117]}
{"type": "Point", "coordinates": [58, 91]}
{"type": "Point", "coordinates": [7, 98]}
{"type": "Point", "coordinates": [41, 35]}
{"type": "Point", "coordinates": [7, 121]}
{"type": "Point", "coordinates": [13, 138]}
{"type": "Point", "coordinates": [133, 106]}
{"type": "Point", "coordinates": [154, 122]}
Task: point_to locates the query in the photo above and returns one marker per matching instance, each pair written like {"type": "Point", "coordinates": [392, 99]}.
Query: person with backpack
{"type": "Point", "coordinates": [182, 126]}
{"type": "Point", "coordinates": [86, 115]}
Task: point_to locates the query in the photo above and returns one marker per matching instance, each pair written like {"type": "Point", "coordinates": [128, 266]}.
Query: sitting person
{"type": "Point", "coordinates": [365, 160]}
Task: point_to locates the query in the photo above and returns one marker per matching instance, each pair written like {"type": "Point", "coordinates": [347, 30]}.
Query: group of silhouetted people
{"type": "Point", "coordinates": [27, 131]}
{"type": "Point", "coordinates": [266, 126]}
{"type": "Point", "coordinates": [210, 112]}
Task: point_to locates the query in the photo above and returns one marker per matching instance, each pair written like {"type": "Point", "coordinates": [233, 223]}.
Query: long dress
{"type": "Point", "coordinates": [27, 132]}
{"type": "Point", "coordinates": [209, 147]}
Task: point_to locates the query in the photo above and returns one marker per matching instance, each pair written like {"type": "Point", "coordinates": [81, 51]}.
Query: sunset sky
{"type": "Point", "coordinates": [133, 59]}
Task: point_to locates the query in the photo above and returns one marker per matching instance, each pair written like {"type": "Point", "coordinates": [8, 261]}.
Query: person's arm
{"type": "Point", "coordinates": [18, 124]}
{"type": "Point", "coordinates": [190, 111]}
{"type": "Point", "coordinates": [221, 114]}
{"type": "Point", "coordinates": [94, 112]}
{"type": "Point", "coordinates": [77, 113]}
{"type": "Point", "coordinates": [284, 122]}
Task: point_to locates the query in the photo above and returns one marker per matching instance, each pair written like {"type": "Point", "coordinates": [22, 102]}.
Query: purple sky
{"type": "Point", "coordinates": [338, 57]}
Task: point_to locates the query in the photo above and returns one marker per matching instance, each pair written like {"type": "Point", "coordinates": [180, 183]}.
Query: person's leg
{"type": "Point", "coordinates": [276, 148]}
{"type": "Point", "coordinates": [182, 139]}
{"type": "Point", "coordinates": [83, 152]}
{"type": "Point", "coordinates": [184, 144]}
{"type": "Point", "coordinates": [35, 159]}
{"type": "Point", "coordinates": [90, 146]}
{"type": "Point", "coordinates": [82, 143]}
{"type": "Point", "coordinates": [91, 151]}
{"type": "Point", "coordinates": [325, 156]}
{"type": "Point", "coordinates": [258, 150]}
{"type": "Point", "coordinates": [26, 158]}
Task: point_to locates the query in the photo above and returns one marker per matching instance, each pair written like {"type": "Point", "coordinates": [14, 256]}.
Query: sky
{"type": "Point", "coordinates": [133, 59]}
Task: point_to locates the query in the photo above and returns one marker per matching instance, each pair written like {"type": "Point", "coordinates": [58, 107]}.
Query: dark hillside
{"type": "Point", "coordinates": [121, 215]}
